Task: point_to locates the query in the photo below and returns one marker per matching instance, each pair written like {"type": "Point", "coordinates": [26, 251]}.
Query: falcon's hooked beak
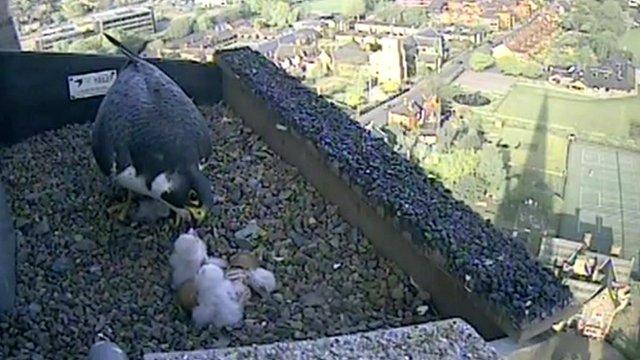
{"type": "Point", "coordinates": [198, 213]}
{"type": "Point", "coordinates": [196, 208]}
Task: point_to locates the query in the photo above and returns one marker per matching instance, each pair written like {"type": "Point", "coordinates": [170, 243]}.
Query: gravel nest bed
{"type": "Point", "coordinates": [83, 276]}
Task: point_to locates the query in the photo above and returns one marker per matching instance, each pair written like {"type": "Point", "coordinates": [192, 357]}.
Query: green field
{"type": "Point", "coordinates": [544, 108]}
{"type": "Point", "coordinates": [537, 150]}
{"type": "Point", "coordinates": [631, 41]}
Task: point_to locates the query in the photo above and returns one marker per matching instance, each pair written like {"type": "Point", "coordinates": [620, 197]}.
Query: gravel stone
{"type": "Point", "coordinates": [120, 288]}
{"type": "Point", "coordinates": [62, 265]}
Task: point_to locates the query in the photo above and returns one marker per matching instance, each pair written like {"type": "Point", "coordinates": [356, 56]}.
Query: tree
{"type": "Point", "coordinates": [353, 98]}
{"type": "Point", "coordinates": [374, 4]}
{"type": "Point", "coordinates": [129, 39]}
{"type": "Point", "coordinates": [204, 22]}
{"type": "Point", "coordinates": [469, 189]}
{"type": "Point", "coordinates": [491, 170]}
{"type": "Point", "coordinates": [90, 45]}
{"type": "Point", "coordinates": [480, 61]}
{"type": "Point", "coordinates": [98, 44]}
{"type": "Point", "coordinates": [75, 8]}
{"type": "Point", "coordinates": [414, 16]}
{"type": "Point", "coordinates": [179, 27]}
{"type": "Point", "coordinates": [446, 135]}
{"type": "Point", "coordinates": [453, 166]}
{"type": "Point", "coordinates": [354, 8]}
{"type": "Point", "coordinates": [391, 87]}
{"type": "Point", "coordinates": [531, 70]}
{"type": "Point", "coordinates": [155, 46]}
{"type": "Point", "coordinates": [471, 140]}
{"type": "Point", "coordinates": [23, 6]}
{"type": "Point", "coordinates": [388, 12]}
{"type": "Point", "coordinates": [597, 25]}
{"type": "Point", "coordinates": [275, 13]}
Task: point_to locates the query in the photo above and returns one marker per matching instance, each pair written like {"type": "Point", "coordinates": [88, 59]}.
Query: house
{"type": "Point", "coordinates": [389, 63]}
{"type": "Point", "coordinates": [461, 33]}
{"type": "Point", "coordinates": [349, 58]}
{"type": "Point", "coordinates": [617, 74]}
{"type": "Point", "coordinates": [425, 51]}
{"type": "Point", "coordinates": [600, 282]}
{"type": "Point", "coordinates": [419, 114]}
{"type": "Point", "coordinates": [497, 15]}
{"type": "Point", "coordinates": [305, 41]}
{"type": "Point", "coordinates": [382, 28]}
{"type": "Point", "coordinates": [318, 25]}
{"type": "Point", "coordinates": [570, 77]}
{"type": "Point", "coordinates": [531, 38]}
{"type": "Point", "coordinates": [498, 19]}
{"type": "Point", "coordinates": [200, 46]}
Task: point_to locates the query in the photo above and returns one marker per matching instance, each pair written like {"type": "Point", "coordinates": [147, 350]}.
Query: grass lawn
{"type": "Point", "coordinates": [324, 6]}
{"type": "Point", "coordinates": [548, 108]}
{"type": "Point", "coordinates": [538, 150]}
{"type": "Point", "coordinates": [331, 85]}
{"type": "Point", "coordinates": [631, 41]}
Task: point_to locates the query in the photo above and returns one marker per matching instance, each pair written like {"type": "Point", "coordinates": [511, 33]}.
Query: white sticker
{"type": "Point", "coordinates": [92, 84]}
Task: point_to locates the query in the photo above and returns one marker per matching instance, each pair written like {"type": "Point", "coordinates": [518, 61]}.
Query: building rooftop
{"type": "Point", "coordinates": [351, 54]}
{"type": "Point", "coordinates": [442, 340]}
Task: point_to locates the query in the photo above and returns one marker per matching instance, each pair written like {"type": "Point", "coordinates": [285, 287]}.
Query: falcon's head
{"type": "Point", "coordinates": [190, 190]}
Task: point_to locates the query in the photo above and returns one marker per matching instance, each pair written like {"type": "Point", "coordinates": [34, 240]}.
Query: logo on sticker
{"type": "Point", "coordinates": [91, 84]}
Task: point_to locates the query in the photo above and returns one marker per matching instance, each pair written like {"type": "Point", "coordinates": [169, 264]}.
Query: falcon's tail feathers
{"type": "Point", "coordinates": [128, 53]}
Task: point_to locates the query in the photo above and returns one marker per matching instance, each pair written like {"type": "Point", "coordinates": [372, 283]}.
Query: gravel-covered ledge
{"type": "Point", "coordinates": [449, 339]}
{"type": "Point", "coordinates": [472, 269]}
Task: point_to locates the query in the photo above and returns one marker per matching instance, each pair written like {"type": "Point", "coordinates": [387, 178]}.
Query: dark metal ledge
{"type": "Point", "coordinates": [7, 256]}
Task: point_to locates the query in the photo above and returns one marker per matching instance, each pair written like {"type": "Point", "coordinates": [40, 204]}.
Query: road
{"type": "Point", "coordinates": [452, 69]}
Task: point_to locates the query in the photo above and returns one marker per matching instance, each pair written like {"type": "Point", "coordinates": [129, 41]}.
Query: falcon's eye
{"type": "Point", "coordinates": [193, 196]}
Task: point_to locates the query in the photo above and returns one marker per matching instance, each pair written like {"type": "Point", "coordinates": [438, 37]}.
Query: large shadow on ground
{"type": "Point", "coordinates": [528, 200]}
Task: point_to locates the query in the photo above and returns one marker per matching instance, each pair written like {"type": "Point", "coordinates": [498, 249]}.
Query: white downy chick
{"type": "Point", "coordinates": [219, 262]}
{"type": "Point", "coordinates": [189, 253]}
{"type": "Point", "coordinates": [217, 299]}
{"type": "Point", "coordinates": [262, 280]}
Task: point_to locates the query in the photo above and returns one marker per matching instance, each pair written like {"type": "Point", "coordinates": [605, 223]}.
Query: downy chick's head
{"type": "Point", "coordinates": [190, 248]}
{"type": "Point", "coordinates": [190, 190]}
{"type": "Point", "coordinates": [208, 277]}
{"type": "Point", "coordinates": [189, 253]}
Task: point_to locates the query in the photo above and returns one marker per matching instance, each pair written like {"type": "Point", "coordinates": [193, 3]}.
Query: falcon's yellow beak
{"type": "Point", "coordinates": [198, 213]}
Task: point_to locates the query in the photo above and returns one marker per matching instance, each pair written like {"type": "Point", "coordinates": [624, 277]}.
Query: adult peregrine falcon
{"type": "Point", "coordinates": [151, 139]}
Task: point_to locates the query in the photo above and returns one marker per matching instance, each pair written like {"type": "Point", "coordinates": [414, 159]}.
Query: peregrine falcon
{"type": "Point", "coordinates": [151, 139]}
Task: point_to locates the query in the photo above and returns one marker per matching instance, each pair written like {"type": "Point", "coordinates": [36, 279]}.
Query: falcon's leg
{"type": "Point", "coordinates": [121, 210]}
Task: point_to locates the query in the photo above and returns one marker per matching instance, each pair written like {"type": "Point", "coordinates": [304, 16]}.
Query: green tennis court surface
{"type": "Point", "coordinates": [602, 196]}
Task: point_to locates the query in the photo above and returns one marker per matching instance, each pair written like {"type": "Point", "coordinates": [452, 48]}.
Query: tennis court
{"type": "Point", "coordinates": [602, 196]}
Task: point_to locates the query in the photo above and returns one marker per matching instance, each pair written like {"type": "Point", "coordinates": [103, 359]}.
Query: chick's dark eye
{"type": "Point", "coordinates": [193, 195]}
